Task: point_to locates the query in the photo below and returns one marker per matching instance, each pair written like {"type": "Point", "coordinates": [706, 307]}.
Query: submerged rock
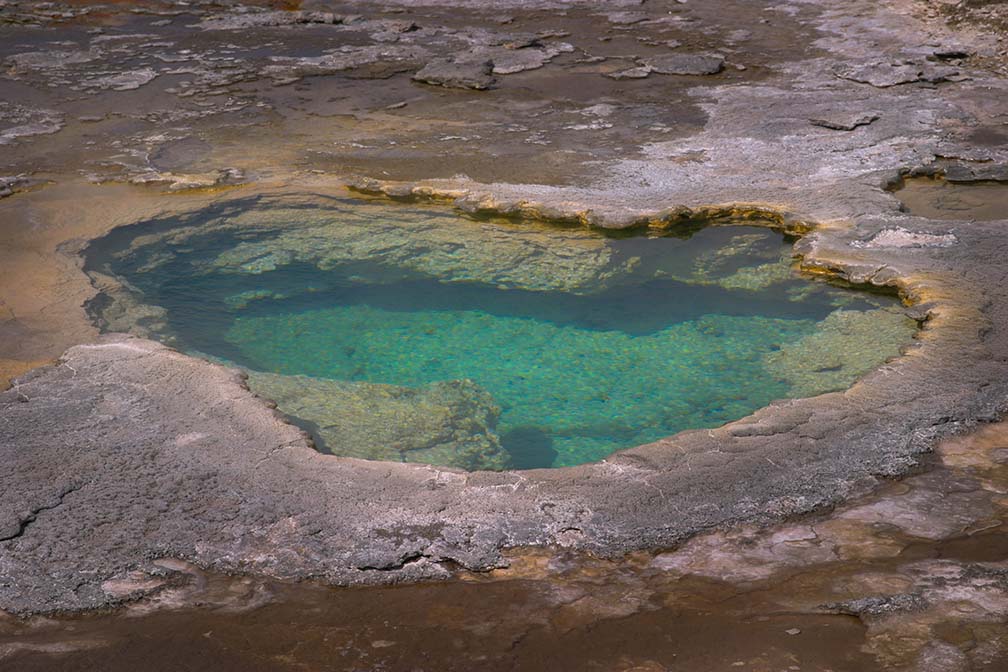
{"type": "Point", "coordinates": [721, 267]}
{"type": "Point", "coordinates": [179, 154]}
{"type": "Point", "coordinates": [450, 423]}
{"type": "Point", "coordinates": [120, 308]}
{"type": "Point", "coordinates": [402, 243]}
{"type": "Point", "coordinates": [834, 355]}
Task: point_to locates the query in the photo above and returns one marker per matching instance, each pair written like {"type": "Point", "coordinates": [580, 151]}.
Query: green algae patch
{"type": "Point", "coordinates": [833, 356]}
{"type": "Point", "coordinates": [447, 422]}
{"type": "Point", "coordinates": [411, 334]}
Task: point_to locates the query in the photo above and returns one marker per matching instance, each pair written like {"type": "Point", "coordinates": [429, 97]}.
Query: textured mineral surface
{"type": "Point", "coordinates": [123, 457]}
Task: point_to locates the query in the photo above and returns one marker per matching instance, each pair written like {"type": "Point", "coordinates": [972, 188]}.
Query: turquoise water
{"type": "Point", "coordinates": [640, 352]}
{"type": "Point", "coordinates": [569, 393]}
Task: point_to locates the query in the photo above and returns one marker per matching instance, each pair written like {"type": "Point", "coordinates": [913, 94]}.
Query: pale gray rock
{"type": "Point", "coordinates": [639, 72]}
{"type": "Point", "coordinates": [12, 184]}
{"type": "Point", "coordinates": [685, 64]}
{"type": "Point", "coordinates": [952, 53]}
{"type": "Point", "coordinates": [882, 75]}
{"type": "Point", "coordinates": [393, 57]}
{"type": "Point", "coordinates": [42, 60]}
{"type": "Point", "coordinates": [19, 121]}
{"type": "Point", "coordinates": [507, 61]}
{"type": "Point", "coordinates": [899, 237]}
{"type": "Point", "coordinates": [8, 185]}
{"type": "Point", "coordinates": [977, 172]}
{"type": "Point", "coordinates": [268, 19]}
{"type": "Point", "coordinates": [476, 75]}
{"type": "Point", "coordinates": [126, 81]}
{"type": "Point", "coordinates": [626, 18]}
{"type": "Point", "coordinates": [844, 122]}
{"type": "Point", "coordinates": [880, 605]}
{"type": "Point", "coordinates": [185, 181]}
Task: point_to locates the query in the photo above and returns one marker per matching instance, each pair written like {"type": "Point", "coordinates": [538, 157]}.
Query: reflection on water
{"type": "Point", "coordinates": [576, 345]}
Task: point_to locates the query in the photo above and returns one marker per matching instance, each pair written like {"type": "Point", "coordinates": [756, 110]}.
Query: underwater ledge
{"type": "Point", "coordinates": [253, 487]}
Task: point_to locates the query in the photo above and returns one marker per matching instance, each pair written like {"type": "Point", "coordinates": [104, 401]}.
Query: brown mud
{"type": "Point", "coordinates": [936, 198]}
{"type": "Point", "coordinates": [456, 626]}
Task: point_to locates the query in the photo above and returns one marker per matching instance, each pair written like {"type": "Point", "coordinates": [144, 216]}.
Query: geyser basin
{"type": "Point", "coordinates": [411, 334]}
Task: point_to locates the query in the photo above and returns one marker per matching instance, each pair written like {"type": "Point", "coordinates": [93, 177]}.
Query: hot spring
{"type": "Point", "coordinates": [404, 333]}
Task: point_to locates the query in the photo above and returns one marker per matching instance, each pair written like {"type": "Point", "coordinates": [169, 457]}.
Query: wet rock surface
{"type": "Point", "coordinates": [977, 173]}
{"type": "Point", "coordinates": [830, 349]}
{"type": "Point", "coordinates": [124, 451]}
{"type": "Point", "coordinates": [850, 590]}
{"type": "Point", "coordinates": [271, 231]}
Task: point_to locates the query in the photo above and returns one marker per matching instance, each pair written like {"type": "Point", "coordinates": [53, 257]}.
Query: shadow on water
{"type": "Point", "coordinates": [196, 305]}
{"type": "Point", "coordinates": [311, 429]}
{"type": "Point", "coordinates": [529, 447]}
